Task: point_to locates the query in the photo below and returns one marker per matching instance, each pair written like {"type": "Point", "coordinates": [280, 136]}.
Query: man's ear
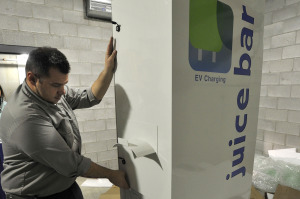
{"type": "Point", "coordinates": [31, 78]}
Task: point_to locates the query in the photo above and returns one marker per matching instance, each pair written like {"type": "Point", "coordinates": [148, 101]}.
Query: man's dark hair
{"type": "Point", "coordinates": [2, 96]}
{"type": "Point", "coordinates": [2, 92]}
{"type": "Point", "coordinates": [42, 59]}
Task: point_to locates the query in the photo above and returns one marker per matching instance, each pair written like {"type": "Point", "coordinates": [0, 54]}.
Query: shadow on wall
{"type": "Point", "coordinates": [122, 114]}
{"type": "Point", "coordinates": [122, 109]}
{"type": "Point", "coordinates": [127, 156]}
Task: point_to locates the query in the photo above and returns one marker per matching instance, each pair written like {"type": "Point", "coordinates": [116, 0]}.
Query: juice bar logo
{"type": "Point", "coordinates": [210, 50]}
{"type": "Point", "coordinates": [210, 36]}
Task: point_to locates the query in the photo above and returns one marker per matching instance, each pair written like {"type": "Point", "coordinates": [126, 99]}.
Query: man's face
{"type": "Point", "coordinates": [52, 88]}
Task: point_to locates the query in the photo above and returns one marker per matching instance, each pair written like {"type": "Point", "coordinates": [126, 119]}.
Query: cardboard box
{"type": "Point", "coordinates": [255, 194]}
{"type": "Point", "coordinates": [112, 193]}
{"type": "Point", "coordinates": [283, 192]}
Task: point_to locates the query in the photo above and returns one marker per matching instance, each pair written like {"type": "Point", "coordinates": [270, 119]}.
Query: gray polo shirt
{"type": "Point", "coordinates": [41, 142]}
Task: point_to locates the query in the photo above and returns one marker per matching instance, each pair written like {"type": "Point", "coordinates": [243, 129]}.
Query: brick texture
{"type": "Point", "coordinates": [279, 108]}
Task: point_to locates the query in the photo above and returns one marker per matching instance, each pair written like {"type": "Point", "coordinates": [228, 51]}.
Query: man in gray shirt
{"type": "Point", "coordinates": [40, 134]}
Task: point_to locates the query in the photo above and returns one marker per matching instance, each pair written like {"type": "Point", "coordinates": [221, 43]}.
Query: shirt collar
{"type": "Point", "coordinates": [28, 92]}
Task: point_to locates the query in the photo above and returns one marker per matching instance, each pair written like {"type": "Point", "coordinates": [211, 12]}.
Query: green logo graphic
{"type": "Point", "coordinates": [210, 35]}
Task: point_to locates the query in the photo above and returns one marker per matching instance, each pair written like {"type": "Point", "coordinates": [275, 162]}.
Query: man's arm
{"type": "Point", "coordinates": [116, 177]}
{"type": "Point", "coordinates": [102, 83]}
{"type": "Point", "coordinates": [99, 89]}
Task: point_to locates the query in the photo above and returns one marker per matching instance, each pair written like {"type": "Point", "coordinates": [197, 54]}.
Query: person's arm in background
{"type": "Point", "coordinates": [102, 83]}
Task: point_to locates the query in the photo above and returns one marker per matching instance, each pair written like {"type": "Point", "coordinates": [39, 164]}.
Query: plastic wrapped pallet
{"type": "Point", "coordinates": [268, 173]}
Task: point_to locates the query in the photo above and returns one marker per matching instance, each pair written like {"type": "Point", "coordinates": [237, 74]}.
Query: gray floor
{"type": "Point", "coordinates": [90, 192]}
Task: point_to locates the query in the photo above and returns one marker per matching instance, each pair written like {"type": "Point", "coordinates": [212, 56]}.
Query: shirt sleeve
{"type": "Point", "coordinates": [38, 139]}
{"type": "Point", "coordinates": [77, 98]}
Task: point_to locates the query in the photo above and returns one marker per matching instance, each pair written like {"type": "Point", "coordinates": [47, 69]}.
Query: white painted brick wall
{"type": "Point", "coordinates": [66, 4]}
{"type": "Point", "coordinates": [34, 1]}
{"type": "Point", "coordinates": [49, 40]}
{"type": "Point", "coordinates": [267, 42]}
{"type": "Point", "coordinates": [97, 67]}
{"type": "Point", "coordinates": [94, 158]}
{"type": "Point", "coordinates": [285, 13]}
{"type": "Point", "coordinates": [109, 102]}
{"type": "Point", "coordinates": [295, 92]}
{"type": "Point", "coordinates": [289, 78]}
{"type": "Point", "coordinates": [289, 103]}
{"type": "Point", "coordinates": [279, 108]}
{"type": "Point", "coordinates": [277, 66]}
{"type": "Point", "coordinates": [88, 137]}
{"type": "Point", "coordinates": [289, 2]}
{"type": "Point", "coordinates": [279, 91]}
{"type": "Point", "coordinates": [74, 80]}
{"type": "Point", "coordinates": [94, 147]}
{"type": "Point", "coordinates": [12, 37]}
{"type": "Point", "coordinates": [270, 79]}
{"type": "Point", "coordinates": [106, 135]}
{"type": "Point", "coordinates": [276, 115]}
{"type": "Point", "coordinates": [110, 124]}
{"type": "Point", "coordinates": [291, 51]}
{"type": "Point", "coordinates": [94, 125]}
{"type": "Point", "coordinates": [33, 25]}
{"type": "Point", "coordinates": [47, 12]}
{"type": "Point", "coordinates": [296, 64]}
{"type": "Point", "coordinates": [107, 113]}
{"type": "Point", "coordinates": [106, 32]}
{"type": "Point", "coordinates": [277, 146]}
{"type": "Point", "coordinates": [9, 22]}
{"type": "Point", "coordinates": [286, 39]}
{"type": "Point", "coordinates": [111, 144]}
{"type": "Point", "coordinates": [77, 43]}
{"type": "Point", "coordinates": [268, 102]}
{"type": "Point", "coordinates": [263, 147]}
{"type": "Point", "coordinates": [291, 24]}
{"type": "Point", "coordinates": [294, 116]}
{"type": "Point", "coordinates": [292, 141]}
{"type": "Point", "coordinates": [268, 18]}
{"type": "Point", "coordinates": [276, 138]}
{"type": "Point", "coordinates": [74, 17]}
{"type": "Point", "coordinates": [78, 5]}
{"type": "Point", "coordinates": [263, 91]}
{"type": "Point", "coordinates": [298, 37]}
{"type": "Point", "coordinates": [260, 135]}
{"type": "Point", "coordinates": [103, 163]}
{"type": "Point", "coordinates": [287, 128]}
{"type": "Point", "coordinates": [113, 164]}
{"type": "Point", "coordinates": [80, 68]}
{"type": "Point", "coordinates": [60, 28]}
{"type": "Point", "coordinates": [72, 56]}
{"type": "Point", "coordinates": [110, 92]}
{"type": "Point", "coordinates": [272, 54]}
{"type": "Point", "coordinates": [84, 115]}
{"type": "Point", "coordinates": [262, 113]}
{"type": "Point", "coordinates": [98, 44]}
{"type": "Point", "coordinates": [85, 80]}
{"type": "Point", "coordinates": [266, 125]}
{"type": "Point", "coordinates": [15, 8]}
{"type": "Point", "coordinates": [106, 155]}
{"type": "Point", "coordinates": [273, 29]}
{"type": "Point", "coordinates": [90, 32]}
{"type": "Point", "coordinates": [91, 56]}
{"type": "Point", "coordinates": [273, 5]}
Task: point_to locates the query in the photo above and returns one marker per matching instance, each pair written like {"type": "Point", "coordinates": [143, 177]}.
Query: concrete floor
{"type": "Point", "coordinates": [90, 192]}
